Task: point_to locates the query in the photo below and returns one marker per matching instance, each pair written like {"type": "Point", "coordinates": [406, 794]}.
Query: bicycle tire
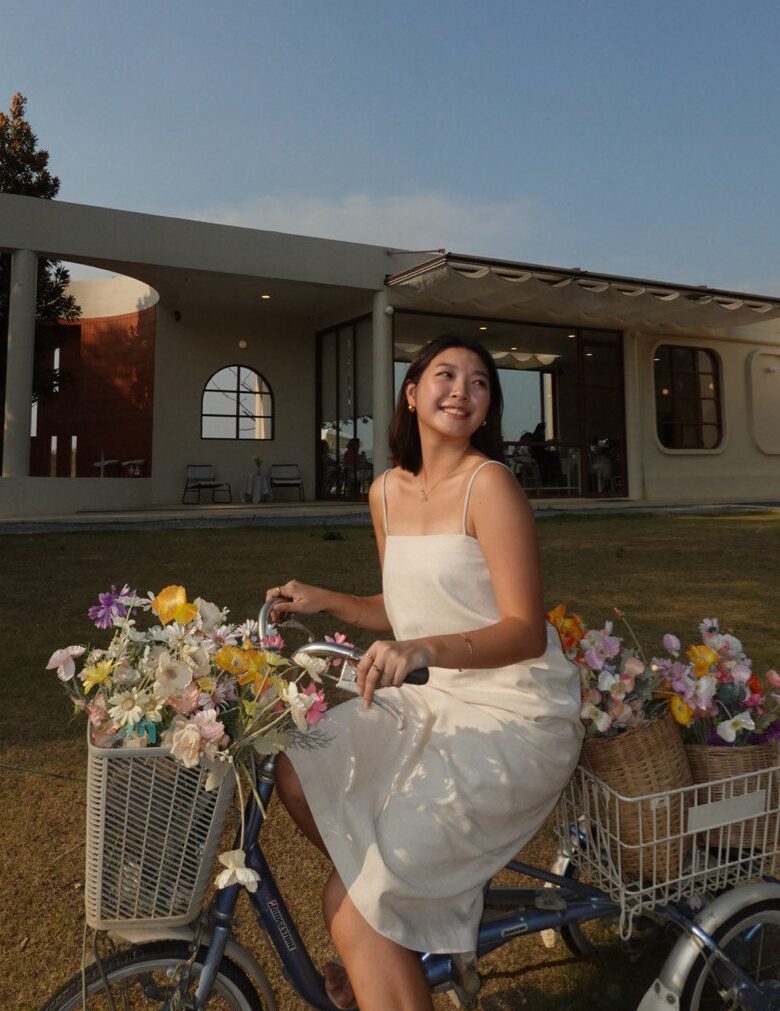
{"type": "Point", "coordinates": [601, 936]}
{"type": "Point", "coordinates": [764, 913]}
{"type": "Point", "coordinates": [232, 989]}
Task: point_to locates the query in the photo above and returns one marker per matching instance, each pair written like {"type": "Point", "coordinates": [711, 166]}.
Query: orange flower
{"type": "Point", "coordinates": [754, 684]}
{"type": "Point", "coordinates": [681, 711]}
{"type": "Point", "coordinates": [171, 604]}
{"type": "Point", "coordinates": [233, 660]}
{"type": "Point", "coordinates": [702, 658]}
{"type": "Point", "coordinates": [570, 627]}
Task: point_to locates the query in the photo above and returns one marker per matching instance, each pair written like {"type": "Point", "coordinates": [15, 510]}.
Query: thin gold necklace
{"type": "Point", "coordinates": [425, 493]}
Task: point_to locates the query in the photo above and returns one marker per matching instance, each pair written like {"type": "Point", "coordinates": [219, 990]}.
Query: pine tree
{"type": "Point", "coordinates": [24, 171]}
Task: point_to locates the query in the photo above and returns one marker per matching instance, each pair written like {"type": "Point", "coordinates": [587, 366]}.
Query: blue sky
{"type": "Point", "coordinates": [635, 139]}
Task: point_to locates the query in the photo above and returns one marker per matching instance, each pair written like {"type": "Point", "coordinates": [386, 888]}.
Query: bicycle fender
{"type": "Point", "coordinates": [665, 991]}
{"type": "Point", "coordinates": [244, 959]}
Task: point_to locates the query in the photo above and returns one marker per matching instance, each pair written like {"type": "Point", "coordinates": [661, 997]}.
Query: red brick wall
{"type": "Point", "coordinates": [106, 395]}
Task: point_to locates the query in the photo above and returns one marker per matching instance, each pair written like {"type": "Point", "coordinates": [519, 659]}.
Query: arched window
{"type": "Point", "coordinates": [687, 397]}
{"type": "Point", "coordinates": [237, 404]}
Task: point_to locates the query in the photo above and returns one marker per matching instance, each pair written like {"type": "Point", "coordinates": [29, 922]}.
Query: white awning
{"type": "Point", "coordinates": [517, 291]}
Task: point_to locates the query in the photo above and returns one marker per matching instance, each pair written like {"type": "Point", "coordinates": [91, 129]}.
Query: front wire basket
{"type": "Point", "coordinates": [152, 834]}
{"type": "Point", "coordinates": [682, 844]}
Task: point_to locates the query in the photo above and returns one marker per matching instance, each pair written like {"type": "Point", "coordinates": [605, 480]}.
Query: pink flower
{"type": "Point", "coordinates": [741, 673]}
{"type": "Point", "coordinates": [63, 661]}
{"type": "Point", "coordinates": [633, 667]}
{"type": "Point", "coordinates": [207, 723]}
{"type": "Point", "coordinates": [186, 701]}
{"type": "Point", "coordinates": [272, 642]}
{"type": "Point", "coordinates": [339, 639]}
{"type": "Point", "coordinates": [671, 643]}
{"type": "Point", "coordinates": [773, 678]}
{"type": "Point", "coordinates": [317, 709]}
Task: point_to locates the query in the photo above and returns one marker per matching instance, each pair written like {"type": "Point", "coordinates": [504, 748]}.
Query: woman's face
{"type": "Point", "coordinates": [452, 395]}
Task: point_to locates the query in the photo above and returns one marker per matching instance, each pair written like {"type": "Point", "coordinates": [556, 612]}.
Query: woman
{"type": "Point", "coordinates": [417, 821]}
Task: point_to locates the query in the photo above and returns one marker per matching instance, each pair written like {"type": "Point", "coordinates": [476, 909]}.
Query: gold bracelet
{"type": "Point", "coordinates": [359, 603]}
{"type": "Point", "coordinates": [467, 638]}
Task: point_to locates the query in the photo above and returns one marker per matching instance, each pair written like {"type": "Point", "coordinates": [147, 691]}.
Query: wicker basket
{"type": "Point", "coordinates": [650, 842]}
{"type": "Point", "coordinates": [152, 835]}
{"type": "Point", "coordinates": [710, 764]}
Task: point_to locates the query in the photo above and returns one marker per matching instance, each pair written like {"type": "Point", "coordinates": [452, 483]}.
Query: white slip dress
{"type": "Point", "coordinates": [417, 820]}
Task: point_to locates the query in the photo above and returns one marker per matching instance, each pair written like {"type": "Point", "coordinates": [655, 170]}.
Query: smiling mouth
{"type": "Point", "coordinates": [455, 412]}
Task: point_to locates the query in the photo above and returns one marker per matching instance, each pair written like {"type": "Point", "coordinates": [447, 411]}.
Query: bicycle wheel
{"type": "Point", "coordinates": [596, 938]}
{"type": "Point", "coordinates": [751, 936]}
{"type": "Point", "coordinates": [140, 980]}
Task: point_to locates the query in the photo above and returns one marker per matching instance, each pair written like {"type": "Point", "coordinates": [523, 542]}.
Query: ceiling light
{"type": "Point", "coordinates": [265, 297]}
{"type": "Point", "coordinates": [588, 354]}
{"type": "Point", "coordinates": [572, 336]}
{"type": "Point", "coordinates": [513, 349]}
{"type": "Point", "coordinates": [242, 345]}
{"type": "Point", "coordinates": [483, 328]}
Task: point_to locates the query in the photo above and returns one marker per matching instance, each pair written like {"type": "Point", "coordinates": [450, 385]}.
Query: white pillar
{"type": "Point", "coordinates": [19, 371]}
{"type": "Point", "coordinates": [382, 392]}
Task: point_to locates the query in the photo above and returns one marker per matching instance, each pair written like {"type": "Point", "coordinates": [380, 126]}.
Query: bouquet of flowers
{"type": "Point", "coordinates": [619, 689]}
{"type": "Point", "coordinates": [211, 691]}
{"type": "Point", "coordinates": [206, 689]}
{"type": "Point", "coordinates": [714, 694]}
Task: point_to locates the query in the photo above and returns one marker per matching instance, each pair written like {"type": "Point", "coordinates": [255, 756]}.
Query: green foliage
{"type": "Point", "coordinates": [24, 171]}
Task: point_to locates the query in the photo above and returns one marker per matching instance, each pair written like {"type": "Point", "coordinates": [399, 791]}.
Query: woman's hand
{"type": "Point", "coordinates": [302, 599]}
{"type": "Point", "coordinates": [388, 663]}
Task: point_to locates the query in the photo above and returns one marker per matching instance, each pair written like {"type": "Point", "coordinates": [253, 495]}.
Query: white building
{"type": "Point", "coordinates": [218, 344]}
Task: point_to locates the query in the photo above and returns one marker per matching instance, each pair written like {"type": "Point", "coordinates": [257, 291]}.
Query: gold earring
{"type": "Point", "coordinates": [412, 408]}
{"type": "Point", "coordinates": [484, 423]}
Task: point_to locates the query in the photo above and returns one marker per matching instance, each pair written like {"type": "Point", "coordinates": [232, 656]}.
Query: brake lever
{"type": "Point", "coordinates": [346, 680]}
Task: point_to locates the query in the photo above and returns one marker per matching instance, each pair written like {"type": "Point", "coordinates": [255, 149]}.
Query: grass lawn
{"type": "Point", "coordinates": [666, 572]}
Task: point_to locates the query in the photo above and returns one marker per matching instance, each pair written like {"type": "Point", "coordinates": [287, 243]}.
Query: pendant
{"type": "Point", "coordinates": [423, 495]}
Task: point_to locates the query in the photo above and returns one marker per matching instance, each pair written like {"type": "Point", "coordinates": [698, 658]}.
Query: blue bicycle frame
{"type": "Point", "coordinates": [574, 902]}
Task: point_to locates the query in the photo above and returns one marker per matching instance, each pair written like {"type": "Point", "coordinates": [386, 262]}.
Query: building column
{"type": "Point", "coordinates": [382, 392]}
{"type": "Point", "coordinates": [19, 371]}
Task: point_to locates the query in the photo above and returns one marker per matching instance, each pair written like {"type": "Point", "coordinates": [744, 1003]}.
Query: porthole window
{"type": "Point", "coordinates": [687, 397]}
{"type": "Point", "coordinates": [237, 404]}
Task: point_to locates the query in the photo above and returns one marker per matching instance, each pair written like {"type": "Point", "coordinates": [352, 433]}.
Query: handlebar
{"type": "Point", "coordinates": [331, 649]}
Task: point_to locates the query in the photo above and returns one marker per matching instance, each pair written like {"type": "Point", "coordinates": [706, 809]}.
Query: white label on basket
{"type": "Point", "coordinates": [726, 812]}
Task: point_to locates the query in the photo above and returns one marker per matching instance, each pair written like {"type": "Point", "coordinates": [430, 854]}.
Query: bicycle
{"type": "Point", "coordinates": [717, 960]}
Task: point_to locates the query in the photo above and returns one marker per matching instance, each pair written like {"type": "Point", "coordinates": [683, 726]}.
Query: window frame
{"type": "Point", "coordinates": [717, 373]}
{"type": "Point", "coordinates": [265, 390]}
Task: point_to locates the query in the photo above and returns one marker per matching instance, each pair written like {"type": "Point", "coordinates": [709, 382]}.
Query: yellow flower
{"type": "Point", "coordinates": [702, 658]}
{"type": "Point", "coordinates": [570, 627]}
{"type": "Point", "coordinates": [681, 711]}
{"type": "Point", "coordinates": [96, 674]}
{"type": "Point", "coordinates": [232, 659]}
{"type": "Point", "coordinates": [171, 604]}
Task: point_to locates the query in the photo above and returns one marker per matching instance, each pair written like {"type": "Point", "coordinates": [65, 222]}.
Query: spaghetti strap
{"type": "Point", "coordinates": [384, 499]}
{"type": "Point", "coordinates": [468, 488]}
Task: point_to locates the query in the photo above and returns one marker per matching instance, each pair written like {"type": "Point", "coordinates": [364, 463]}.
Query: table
{"type": "Point", "coordinates": [102, 463]}
{"type": "Point", "coordinates": [256, 488]}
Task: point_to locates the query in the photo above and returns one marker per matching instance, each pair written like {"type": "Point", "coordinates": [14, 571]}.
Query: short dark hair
{"type": "Point", "coordinates": [404, 434]}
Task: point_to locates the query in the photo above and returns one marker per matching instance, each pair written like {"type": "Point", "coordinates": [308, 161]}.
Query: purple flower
{"type": "Point", "coordinates": [109, 606]}
{"type": "Point", "coordinates": [772, 733]}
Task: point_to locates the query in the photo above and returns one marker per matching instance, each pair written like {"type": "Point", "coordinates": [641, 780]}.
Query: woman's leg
{"type": "Point", "coordinates": [383, 975]}
{"type": "Point", "coordinates": [291, 794]}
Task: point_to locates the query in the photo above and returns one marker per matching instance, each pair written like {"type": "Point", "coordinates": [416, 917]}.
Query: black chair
{"type": "Point", "coordinates": [286, 475]}
{"type": "Point", "coordinates": [202, 477]}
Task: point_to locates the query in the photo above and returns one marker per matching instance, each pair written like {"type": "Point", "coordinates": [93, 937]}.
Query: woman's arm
{"type": "Point", "coordinates": [504, 526]}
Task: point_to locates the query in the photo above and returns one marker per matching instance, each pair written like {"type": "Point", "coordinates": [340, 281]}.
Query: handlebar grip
{"type": "Point", "coordinates": [417, 677]}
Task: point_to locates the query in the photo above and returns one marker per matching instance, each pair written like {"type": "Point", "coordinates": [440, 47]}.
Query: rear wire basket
{"type": "Point", "coordinates": [152, 835]}
{"type": "Point", "coordinates": [693, 842]}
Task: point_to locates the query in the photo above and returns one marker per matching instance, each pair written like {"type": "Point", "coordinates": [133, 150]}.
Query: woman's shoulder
{"type": "Point", "coordinates": [495, 482]}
